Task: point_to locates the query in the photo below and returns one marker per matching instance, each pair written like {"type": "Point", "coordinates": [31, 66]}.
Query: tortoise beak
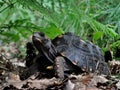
{"type": "Point", "coordinates": [38, 39]}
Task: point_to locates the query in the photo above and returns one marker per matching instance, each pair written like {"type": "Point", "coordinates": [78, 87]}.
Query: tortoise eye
{"type": "Point", "coordinates": [41, 34]}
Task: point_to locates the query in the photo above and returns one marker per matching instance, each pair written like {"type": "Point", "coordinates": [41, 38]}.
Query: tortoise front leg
{"type": "Point", "coordinates": [59, 67]}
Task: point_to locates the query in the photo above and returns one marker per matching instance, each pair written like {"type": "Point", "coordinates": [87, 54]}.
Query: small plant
{"type": "Point", "coordinates": [116, 49]}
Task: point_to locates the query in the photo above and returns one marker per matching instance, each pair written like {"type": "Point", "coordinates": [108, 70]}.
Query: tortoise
{"type": "Point", "coordinates": [67, 53]}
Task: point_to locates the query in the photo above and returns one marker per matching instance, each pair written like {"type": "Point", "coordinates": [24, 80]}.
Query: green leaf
{"type": "Point", "coordinates": [97, 26]}
{"type": "Point", "coordinates": [98, 35]}
{"type": "Point", "coordinates": [52, 31]}
{"type": "Point", "coordinates": [12, 36]}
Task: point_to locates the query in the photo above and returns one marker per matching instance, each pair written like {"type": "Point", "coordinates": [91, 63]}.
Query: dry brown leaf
{"type": "Point", "coordinates": [42, 83]}
{"type": "Point", "coordinates": [69, 85]}
{"type": "Point", "coordinates": [87, 79]}
{"type": "Point", "coordinates": [118, 85]}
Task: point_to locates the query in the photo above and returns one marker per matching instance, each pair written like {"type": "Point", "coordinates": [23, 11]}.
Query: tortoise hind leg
{"type": "Point", "coordinates": [103, 68]}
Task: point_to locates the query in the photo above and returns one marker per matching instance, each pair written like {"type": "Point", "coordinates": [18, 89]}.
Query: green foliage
{"type": "Point", "coordinates": [98, 35]}
{"type": "Point", "coordinates": [96, 20]}
{"type": "Point", "coordinates": [116, 45]}
{"type": "Point", "coordinates": [116, 49]}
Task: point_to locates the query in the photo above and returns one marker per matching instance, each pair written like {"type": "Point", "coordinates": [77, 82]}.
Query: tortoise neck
{"type": "Point", "coordinates": [52, 53]}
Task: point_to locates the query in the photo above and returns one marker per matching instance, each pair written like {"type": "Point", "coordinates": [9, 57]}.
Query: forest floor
{"type": "Point", "coordinates": [11, 66]}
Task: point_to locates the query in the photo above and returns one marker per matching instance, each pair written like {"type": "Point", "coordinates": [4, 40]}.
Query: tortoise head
{"type": "Point", "coordinates": [44, 45]}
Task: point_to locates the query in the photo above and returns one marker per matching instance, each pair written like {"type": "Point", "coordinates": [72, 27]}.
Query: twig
{"type": "Point", "coordinates": [4, 68]}
{"type": "Point", "coordinates": [5, 57]}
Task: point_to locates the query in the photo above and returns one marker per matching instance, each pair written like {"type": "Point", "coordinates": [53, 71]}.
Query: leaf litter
{"type": "Point", "coordinates": [10, 69]}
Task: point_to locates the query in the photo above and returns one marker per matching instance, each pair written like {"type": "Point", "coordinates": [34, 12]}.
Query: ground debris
{"type": "Point", "coordinates": [9, 78]}
{"type": "Point", "coordinates": [73, 82]}
{"type": "Point", "coordinates": [115, 67]}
